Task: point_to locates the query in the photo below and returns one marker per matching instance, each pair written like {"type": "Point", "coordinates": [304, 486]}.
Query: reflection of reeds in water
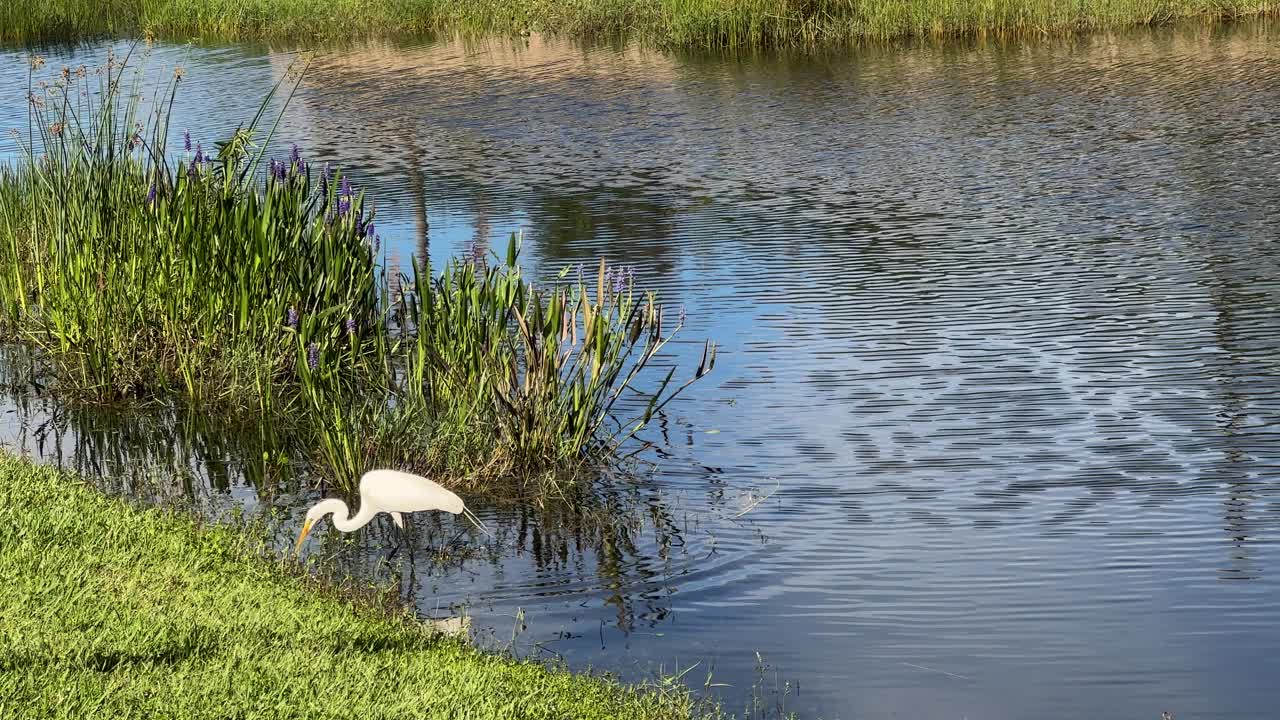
{"type": "Point", "coordinates": [166, 455]}
{"type": "Point", "coordinates": [693, 23]}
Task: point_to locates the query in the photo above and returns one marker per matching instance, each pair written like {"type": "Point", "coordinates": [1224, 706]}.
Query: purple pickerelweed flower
{"type": "Point", "coordinates": [631, 276]}
{"type": "Point", "coordinates": [350, 325]}
{"type": "Point", "coordinates": [344, 205]}
{"type": "Point", "coordinates": [295, 159]}
{"type": "Point", "coordinates": [186, 140]}
{"type": "Point", "coordinates": [278, 170]}
{"type": "Point", "coordinates": [313, 356]}
{"type": "Point", "coordinates": [615, 277]}
{"type": "Point", "coordinates": [291, 318]}
{"type": "Point", "coordinates": [369, 229]}
{"type": "Point", "coordinates": [345, 189]}
{"type": "Point", "coordinates": [151, 194]}
{"type": "Point", "coordinates": [193, 171]}
{"type": "Point", "coordinates": [199, 155]}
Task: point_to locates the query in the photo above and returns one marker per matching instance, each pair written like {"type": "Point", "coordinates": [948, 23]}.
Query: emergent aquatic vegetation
{"type": "Point", "coordinates": [145, 275]}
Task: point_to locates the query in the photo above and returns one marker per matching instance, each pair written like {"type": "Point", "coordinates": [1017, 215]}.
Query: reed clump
{"type": "Point", "coordinates": [678, 23]}
{"type": "Point", "coordinates": [222, 279]}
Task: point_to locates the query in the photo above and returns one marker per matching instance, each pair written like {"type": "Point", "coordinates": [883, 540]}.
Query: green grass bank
{"type": "Point", "coordinates": [112, 611]}
{"type": "Point", "coordinates": [687, 23]}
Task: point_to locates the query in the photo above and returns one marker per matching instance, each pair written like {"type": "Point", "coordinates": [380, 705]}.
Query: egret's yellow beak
{"type": "Point", "coordinates": [306, 528]}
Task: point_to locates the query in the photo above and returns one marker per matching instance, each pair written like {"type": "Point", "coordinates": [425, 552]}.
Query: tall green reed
{"type": "Point", "coordinates": [544, 369]}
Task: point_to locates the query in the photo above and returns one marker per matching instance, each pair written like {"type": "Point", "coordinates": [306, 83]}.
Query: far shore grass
{"type": "Point", "coordinates": [107, 610]}
{"type": "Point", "coordinates": [670, 23]}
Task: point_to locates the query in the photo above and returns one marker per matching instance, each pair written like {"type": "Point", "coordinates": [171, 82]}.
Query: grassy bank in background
{"type": "Point", "coordinates": [111, 611]}
{"type": "Point", "coordinates": [687, 23]}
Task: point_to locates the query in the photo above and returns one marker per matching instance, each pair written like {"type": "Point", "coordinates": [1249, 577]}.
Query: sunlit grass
{"type": "Point", "coordinates": [690, 23]}
{"type": "Point", "coordinates": [110, 611]}
{"type": "Point", "coordinates": [248, 285]}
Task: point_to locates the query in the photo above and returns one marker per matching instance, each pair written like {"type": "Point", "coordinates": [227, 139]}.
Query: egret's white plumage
{"type": "Point", "coordinates": [397, 491]}
{"type": "Point", "coordinates": [389, 491]}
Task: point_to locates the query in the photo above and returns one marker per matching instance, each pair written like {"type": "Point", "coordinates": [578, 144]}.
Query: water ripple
{"type": "Point", "coordinates": [996, 424]}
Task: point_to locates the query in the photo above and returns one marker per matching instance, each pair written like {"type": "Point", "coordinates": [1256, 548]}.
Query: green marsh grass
{"type": "Point", "coordinates": [682, 23]}
{"type": "Point", "coordinates": [112, 611]}
{"type": "Point", "coordinates": [249, 286]}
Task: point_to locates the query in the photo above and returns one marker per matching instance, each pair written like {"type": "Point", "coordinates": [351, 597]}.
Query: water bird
{"type": "Point", "coordinates": [392, 492]}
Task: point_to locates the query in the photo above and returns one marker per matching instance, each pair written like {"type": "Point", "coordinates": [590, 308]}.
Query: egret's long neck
{"type": "Point", "coordinates": [355, 522]}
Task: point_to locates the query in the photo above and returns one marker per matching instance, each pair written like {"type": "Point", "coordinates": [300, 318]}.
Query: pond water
{"type": "Point", "coordinates": [995, 430]}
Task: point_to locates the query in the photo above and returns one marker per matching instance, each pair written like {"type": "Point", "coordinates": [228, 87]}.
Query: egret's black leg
{"type": "Point", "coordinates": [397, 535]}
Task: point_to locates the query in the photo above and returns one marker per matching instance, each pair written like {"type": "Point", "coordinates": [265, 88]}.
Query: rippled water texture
{"type": "Point", "coordinates": [999, 332]}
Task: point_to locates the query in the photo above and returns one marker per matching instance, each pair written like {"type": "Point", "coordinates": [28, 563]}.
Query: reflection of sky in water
{"type": "Point", "coordinates": [997, 324]}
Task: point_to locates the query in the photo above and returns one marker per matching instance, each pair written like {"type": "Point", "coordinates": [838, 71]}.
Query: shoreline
{"type": "Point", "coordinates": [115, 610]}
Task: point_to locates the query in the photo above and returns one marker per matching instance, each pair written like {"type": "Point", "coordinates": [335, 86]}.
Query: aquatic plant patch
{"type": "Point", "coordinates": [250, 285]}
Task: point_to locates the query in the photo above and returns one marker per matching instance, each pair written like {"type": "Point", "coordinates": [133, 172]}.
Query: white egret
{"type": "Point", "coordinates": [392, 492]}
